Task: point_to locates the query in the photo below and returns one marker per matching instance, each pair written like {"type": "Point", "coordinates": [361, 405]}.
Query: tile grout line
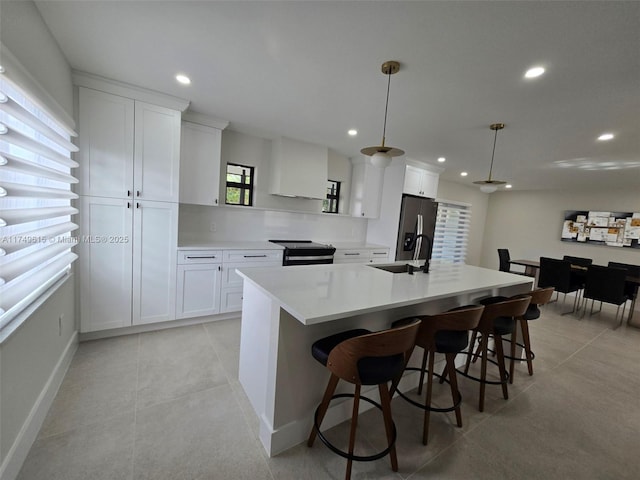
{"type": "Point", "coordinates": [245, 418]}
{"type": "Point", "coordinates": [135, 408]}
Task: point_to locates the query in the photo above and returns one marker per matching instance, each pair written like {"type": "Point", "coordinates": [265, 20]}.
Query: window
{"type": "Point", "coordinates": [239, 185]}
{"type": "Point", "coordinates": [35, 198]}
{"type": "Point", "coordinates": [451, 233]}
{"type": "Point", "coordinates": [330, 205]}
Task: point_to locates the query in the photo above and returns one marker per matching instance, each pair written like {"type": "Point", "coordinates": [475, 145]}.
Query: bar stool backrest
{"type": "Point", "coordinates": [343, 359]}
{"type": "Point", "coordinates": [456, 320]}
{"type": "Point", "coordinates": [514, 307]}
{"type": "Point", "coordinates": [541, 296]}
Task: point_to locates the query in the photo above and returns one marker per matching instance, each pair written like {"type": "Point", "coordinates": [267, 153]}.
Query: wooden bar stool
{"type": "Point", "coordinates": [446, 333]}
{"type": "Point", "coordinates": [540, 296]}
{"type": "Point", "coordinates": [363, 359]}
{"type": "Point", "coordinates": [497, 319]}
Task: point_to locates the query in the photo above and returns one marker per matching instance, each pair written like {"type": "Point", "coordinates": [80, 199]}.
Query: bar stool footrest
{"type": "Point", "coordinates": [509, 357]}
{"type": "Point", "coordinates": [476, 379]}
{"type": "Point", "coordinates": [425, 407]}
{"type": "Point", "coordinates": [347, 455]}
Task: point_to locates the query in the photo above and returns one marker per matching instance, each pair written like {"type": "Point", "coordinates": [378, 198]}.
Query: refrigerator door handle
{"type": "Point", "coordinates": [416, 251]}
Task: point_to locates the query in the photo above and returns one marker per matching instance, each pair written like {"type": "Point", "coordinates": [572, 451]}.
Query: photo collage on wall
{"type": "Point", "coordinates": [614, 229]}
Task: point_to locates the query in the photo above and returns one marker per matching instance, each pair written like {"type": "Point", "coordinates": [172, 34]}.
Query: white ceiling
{"type": "Point", "coordinates": [311, 70]}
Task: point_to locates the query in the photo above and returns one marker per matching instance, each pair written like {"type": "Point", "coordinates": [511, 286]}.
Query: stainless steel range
{"type": "Point", "coordinates": [305, 252]}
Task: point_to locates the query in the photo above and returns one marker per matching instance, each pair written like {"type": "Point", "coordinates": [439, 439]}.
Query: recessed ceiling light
{"type": "Point", "coordinates": [508, 185]}
{"type": "Point", "coordinates": [463, 174]}
{"type": "Point", "coordinates": [606, 136]}
{"type": "Point", "coordinates": [353, 132]}
{"type": "Point", "coordinates": [183, 79]}
{"type": "Point", "coordinates": [442, 159]}
{"type": "Point", "coordinates": [534, 72]}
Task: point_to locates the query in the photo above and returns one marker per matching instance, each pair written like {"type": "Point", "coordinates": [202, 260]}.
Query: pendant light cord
{"type": "Point", "coordinates": [495, 137]}
{"type": "Point", "coordinates": [386, 107]}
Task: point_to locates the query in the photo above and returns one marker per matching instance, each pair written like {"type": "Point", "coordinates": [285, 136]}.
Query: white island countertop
{"type": "Point", "coordinates": [320, 293]}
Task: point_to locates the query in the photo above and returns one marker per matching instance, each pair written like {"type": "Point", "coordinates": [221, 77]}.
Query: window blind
{"type": "Point", "coordinates": [451, 233]}
{"type": "Point", "coordinates": [35, 199]}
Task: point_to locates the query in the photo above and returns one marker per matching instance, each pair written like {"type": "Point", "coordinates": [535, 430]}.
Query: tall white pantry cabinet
{"type": "Point", "coordinates": [129, 182]}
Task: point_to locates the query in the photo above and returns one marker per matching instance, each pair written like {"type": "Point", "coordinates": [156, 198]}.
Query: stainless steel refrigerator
{"type": "Point", "coordinates": [417, 217]}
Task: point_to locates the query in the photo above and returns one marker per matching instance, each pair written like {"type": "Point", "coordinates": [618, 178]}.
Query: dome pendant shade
{"type": "Point", "coordinates": [490, 185]}
{"type": "Point", "coordinates": [381, 155]}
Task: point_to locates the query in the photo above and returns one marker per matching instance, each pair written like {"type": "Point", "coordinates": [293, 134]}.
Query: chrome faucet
{"type": "Point", "coordinates": [410, 244]}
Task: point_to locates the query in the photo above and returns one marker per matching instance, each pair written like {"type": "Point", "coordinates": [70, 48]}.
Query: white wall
{"type": "Point", "coordinates": [254, 224]}
{"type": "Point", "coordinates": [28, 357]}
{"type": "Point", "coordinates": [529, 224]}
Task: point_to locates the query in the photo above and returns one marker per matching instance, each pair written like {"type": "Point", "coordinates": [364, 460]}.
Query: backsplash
{"type": "Point", "coordinates": [251, 224]}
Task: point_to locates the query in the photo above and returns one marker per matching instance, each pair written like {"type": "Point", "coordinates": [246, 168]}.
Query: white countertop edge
{"type": "Point", "coordinates": [229, 245]}
{"type": "Point", "coordinates": [518, 280]}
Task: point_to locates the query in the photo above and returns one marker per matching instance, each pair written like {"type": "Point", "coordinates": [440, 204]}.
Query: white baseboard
{"type": "Point", "coordinates": [29, 432]}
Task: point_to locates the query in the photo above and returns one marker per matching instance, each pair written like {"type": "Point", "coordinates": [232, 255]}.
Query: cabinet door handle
{"type": "Point", "coordinates": [128, 193]}
{"type": "Point", "coordinates": [128, 204]}
{"type": "Point", "coordinates": [200, 256]}
{"type": "Point", "coordinates": [215, 201]}
{"type": "Point", "coordinates": [137, 204]}
{"type": "Point", "coordinates": [363, 214]}
{"type": "Point", "coordinates": [219, 268]}
{"type": "Point", "coordinates": [254, 256]}
{"type": "Point", "coordinates": [351, 254]}
{"type": "Point", "coordinates": [380, 253]}
{"type": "Point", "coordinates": [137, 193]}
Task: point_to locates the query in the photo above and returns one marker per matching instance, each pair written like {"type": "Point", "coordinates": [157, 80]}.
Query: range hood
{"type": "Point", "coordinates": [298, 169]}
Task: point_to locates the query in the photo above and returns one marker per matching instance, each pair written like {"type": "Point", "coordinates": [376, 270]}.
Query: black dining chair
{"type": "Point", "coordinates": [505, 261]}
{"type": "Point", "coordinates": [557, 274]}
{"type": "Point", "coordinates": [606, 285]}
{"type": "Point", "coordinates": [630, 288]}
{"type": "Point", "coordinates": [579, 261]}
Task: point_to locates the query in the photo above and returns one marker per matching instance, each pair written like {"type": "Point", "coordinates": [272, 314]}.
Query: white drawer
{"type": "Point", "coordinates": [237, 256]}
{"type": "Point", "coordinates": [199, 256]}
{"type": "Point", "coordinates": [351, 255]}
{"type": "Point", "coordinates": [231, 279]}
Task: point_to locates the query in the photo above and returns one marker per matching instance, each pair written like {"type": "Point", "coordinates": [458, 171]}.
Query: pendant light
{"type": "Point", "coordinates": [381, 155]}
{"type": "Point", "coordinates": [490, 185]}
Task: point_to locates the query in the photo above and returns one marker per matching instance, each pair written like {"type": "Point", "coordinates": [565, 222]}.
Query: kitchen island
{"type": "Point", "coordinates": [286, 309]}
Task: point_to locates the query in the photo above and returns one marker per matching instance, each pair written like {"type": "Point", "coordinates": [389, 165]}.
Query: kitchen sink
{"type": "Point", "coordinates": [395, 268]}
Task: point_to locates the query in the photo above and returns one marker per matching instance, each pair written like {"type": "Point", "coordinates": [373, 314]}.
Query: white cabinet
{"type": "Point", "coordinates": [129, 168]}
{"type": "Point", "coordinates": [128, 148]}
{"type": "Point", "coordinates": [199, 279]}
{"type": "Point", "coordinates": [361, 255]}
{"type": "Point", "coordinates": [155, 235]}
{"type": "Point", "coordinates": [231, 289]}
{"type": "Point", "coordinates": [200, 164]}
{"type": "Point", "coordinates": [366, 189]}
{"type": "Point", "coordinates": [127, 262]}
{"type": "Point", "coordinates": [421, 182]}
{"type": "Point", "coordinates": [299, 169]}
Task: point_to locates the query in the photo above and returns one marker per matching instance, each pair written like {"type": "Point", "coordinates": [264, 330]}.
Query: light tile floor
{"type": "Point", "coordinates": [168, 405]}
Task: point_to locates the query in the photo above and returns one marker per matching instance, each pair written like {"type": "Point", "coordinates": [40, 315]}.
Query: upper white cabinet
{"type": "Point", "coordinates": [366, 189]}
{"type": "Point", "coordinates": [128, 148]}
{"type": "Point", "coordinates": [200, 164]}
{"type": "Point", "coordinates": [105, 137]}
{"type": "Point", "coordinates": [298, 169]}
{"type": "Point", "coordinates": [421, 182]}
{"type": "Point", "coordinates": [156, 157]}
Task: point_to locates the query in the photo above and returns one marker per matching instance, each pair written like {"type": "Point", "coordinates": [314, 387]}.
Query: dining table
{"type": "Point", "coordinates": [532, 268]}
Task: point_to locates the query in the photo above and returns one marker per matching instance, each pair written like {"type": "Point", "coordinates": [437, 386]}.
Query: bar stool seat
{"type": "Point", "coordinates": [446, 333]}
{"type": "Point", "coordinates": [363, 358]}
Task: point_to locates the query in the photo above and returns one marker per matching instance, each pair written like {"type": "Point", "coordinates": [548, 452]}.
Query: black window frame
{"type": "Point", "coordinates": [333, 196]}
{"type": "Point", "coordinates": [242, 186]}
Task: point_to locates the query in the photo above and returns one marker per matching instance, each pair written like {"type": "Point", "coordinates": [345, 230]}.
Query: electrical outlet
{"type": "Point", "coordinates": [212, 227]}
